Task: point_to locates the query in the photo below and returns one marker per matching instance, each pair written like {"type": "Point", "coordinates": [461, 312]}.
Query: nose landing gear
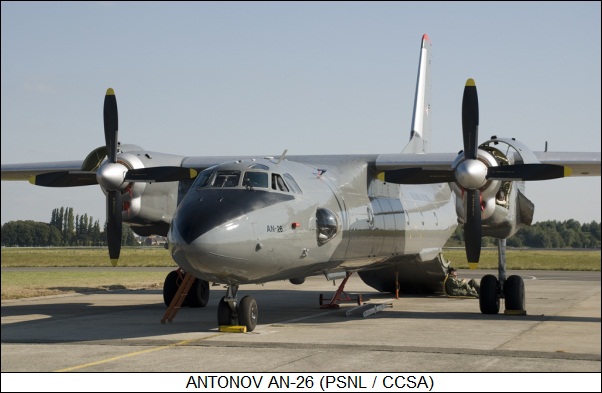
{"type": "Point", "coordinates": [231, 312]}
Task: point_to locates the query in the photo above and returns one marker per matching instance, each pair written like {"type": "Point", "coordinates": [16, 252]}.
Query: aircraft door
{"type": "Point", "coordinates": [389, 232]}
{"type": "Point", "coordinates": [361, 234]}
{"type": "Point", "coordinates": [380, 212]}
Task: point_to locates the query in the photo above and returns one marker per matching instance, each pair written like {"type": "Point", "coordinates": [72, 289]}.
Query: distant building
{"type": "Point", "coordinates": [155, 241]}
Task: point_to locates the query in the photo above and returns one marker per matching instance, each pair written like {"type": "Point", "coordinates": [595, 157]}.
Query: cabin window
{"type": "Point", "coordinates": [327, 225]}
{"type": "Point", "coordinates": [255, 180]}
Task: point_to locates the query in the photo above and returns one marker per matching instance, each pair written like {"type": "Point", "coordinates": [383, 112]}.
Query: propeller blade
{"type": "Point", "coordinates": [114, 228]}
{"type": "Point", "coordinates": [160, 174]}
{"type": "Point", "coordinates": [114, 207]}
{"type": "Point", "coordinates": [528, 172]}
{"type": "Point", "coordinates": [110, 124]}
{"type": "Point", "coordinates": [470, 119]}
{"type": "Point", "coordinates": [64, 179]}
{"type": "Point", "coordinates": [417, 176]}
{"type": "Point", "coordinates": [472, 227]}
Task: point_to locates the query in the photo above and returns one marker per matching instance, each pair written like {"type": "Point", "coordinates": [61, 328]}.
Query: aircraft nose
{"type": "Point", "coordinates": [204, 212]}
{"type": "Point", "coordinates": [212, 236]}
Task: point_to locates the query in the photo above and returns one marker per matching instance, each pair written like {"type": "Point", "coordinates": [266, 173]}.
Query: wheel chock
{"type": "Point", "coordinates": [515, 312]}
{"type": "Point", "coordinates": [232, 329]}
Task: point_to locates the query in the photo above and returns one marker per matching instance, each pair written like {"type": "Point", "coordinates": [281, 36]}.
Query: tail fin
{"type": "Point", "coordinates": [421, 118]}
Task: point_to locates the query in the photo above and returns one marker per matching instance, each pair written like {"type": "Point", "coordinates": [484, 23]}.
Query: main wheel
{"type": "Point", "coordinates": [489, 297]}
{"type": "Point", "coordinates": [170, 287]}
{"type": "Point", "coordinates": [248, 313]}
{"type": "Point", "coordinates": [514, 291]}
{"type": "Point", "coordinates": [224, 313]}
{"type": "Point", "coordinates": [198, 295]}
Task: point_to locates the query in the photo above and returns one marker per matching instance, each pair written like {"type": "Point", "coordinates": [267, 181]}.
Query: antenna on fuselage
{"type": "Point", "coordinates": [282, 156]}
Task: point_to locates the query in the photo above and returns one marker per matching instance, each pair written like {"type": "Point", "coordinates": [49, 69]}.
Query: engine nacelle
{"type": "Point", "coordinates": [504, 206]}
{"type": "Point", "coordinates": [148, 207]}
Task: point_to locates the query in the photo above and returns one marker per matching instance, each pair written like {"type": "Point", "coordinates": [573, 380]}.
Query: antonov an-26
{"type": "Point", "coordinates": [241, 220]}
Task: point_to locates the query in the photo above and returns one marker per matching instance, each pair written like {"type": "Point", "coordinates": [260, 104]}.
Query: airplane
{"type": "Point", "coordinates": [233, 220]}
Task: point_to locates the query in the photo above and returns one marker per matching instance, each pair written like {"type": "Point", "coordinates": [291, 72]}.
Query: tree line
{"type": "Point", "coordinates": [544, 234]}
{"type": "Point", "coordinates": [64, 229]}
{"type": "Point", "coordinates": [68, 229]}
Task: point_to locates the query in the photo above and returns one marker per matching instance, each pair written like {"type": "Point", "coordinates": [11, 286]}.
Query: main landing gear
{"type": "Point", "coordinates": [231, 312]}
{"type": "Point", "coordinates": [197, 296]}
{"type": "Point", "coordinates": [511, 289]}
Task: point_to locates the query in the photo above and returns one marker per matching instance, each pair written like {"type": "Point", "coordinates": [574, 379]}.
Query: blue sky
{"type": "Point", "coordinates": [255, 78]}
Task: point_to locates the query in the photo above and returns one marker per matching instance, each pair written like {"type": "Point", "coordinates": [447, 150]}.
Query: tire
{"type": "Point", "coordinates": [198, 296]}
{"type": "Point", "coordinates": [514, 291]}
{"type": "Point", "coordinates": [224, 313]}
{"type": "Point", "coordinates": [248, 313]}
{"type": "Point", "coordinates": [170, 287]}
{"type": "Point", "coordinates": [489, 299]}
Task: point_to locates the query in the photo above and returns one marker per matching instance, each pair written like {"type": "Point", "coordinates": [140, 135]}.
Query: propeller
{"type": "Point", "coordinates": [472, 174]}
{"type": "Point", "coordinates": [112, 175]}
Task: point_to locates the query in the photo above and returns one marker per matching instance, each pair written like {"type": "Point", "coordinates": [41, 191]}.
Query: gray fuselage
{"type": "Point", "coordinates": [253, 221]}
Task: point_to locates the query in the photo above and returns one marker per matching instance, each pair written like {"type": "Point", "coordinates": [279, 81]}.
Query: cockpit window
{"type": "Point", "coordinates": [255, 179]}
{"type": "Point", "coordinates": [226, 179]}
{"type": "Point", "coordinates": [202, 179]}
{"type": "Point", "coordinates": [292, 184]}
{"type": "Point", "coordinates": [278, 183]}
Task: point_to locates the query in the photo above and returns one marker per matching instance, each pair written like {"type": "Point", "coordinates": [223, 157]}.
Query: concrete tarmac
{"type": "Point", "coordinates": [120, 331]}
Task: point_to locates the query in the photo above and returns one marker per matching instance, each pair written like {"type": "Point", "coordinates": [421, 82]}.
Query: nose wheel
{"type": "Point", "coordinates": [230, 312]}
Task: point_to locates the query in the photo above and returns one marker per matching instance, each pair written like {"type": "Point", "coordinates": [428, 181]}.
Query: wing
{"type": "Point", "coordinates": [581, 163]}
{"type": "Point", "coordinates": [28, 170]}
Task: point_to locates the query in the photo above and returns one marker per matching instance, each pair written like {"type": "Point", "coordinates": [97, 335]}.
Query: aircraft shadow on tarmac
{"type": "Point", "coordinates": [87, 321]}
